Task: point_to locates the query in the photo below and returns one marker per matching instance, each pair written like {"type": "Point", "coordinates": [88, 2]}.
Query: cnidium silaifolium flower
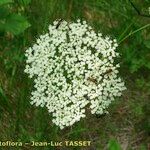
{"type": "Point", "coordinates": [73, 67]}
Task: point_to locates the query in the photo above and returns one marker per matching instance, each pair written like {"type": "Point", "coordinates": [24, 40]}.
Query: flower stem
{"type": "Point", "coordinates": [126, 29]}
{"type": "Point", "coordinates": [131, 33]}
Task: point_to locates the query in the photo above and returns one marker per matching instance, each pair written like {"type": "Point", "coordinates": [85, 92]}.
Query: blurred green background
{"type": "Point", "coordinates": [127, 127]}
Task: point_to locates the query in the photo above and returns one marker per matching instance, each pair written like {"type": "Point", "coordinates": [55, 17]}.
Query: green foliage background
{"type": "Point", "coordinates": [127, 126]}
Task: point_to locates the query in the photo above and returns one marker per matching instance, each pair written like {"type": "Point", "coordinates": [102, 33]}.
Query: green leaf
{"type": "Point", "coordinates": [2, 2]}
{"type": "Point", "coordinates": [2, 93]}
{"type": "Point", "coordinates": [4, 12]}
{"type": "Point", "coordinates": [25, 2]}
{"type": "Point", "coordinates": [147, 43]}
{"type": "Point", "coordinates": [3, 99]}
{"type": "Point", "coordinates": [143, 147]}
{"type": "Point", "coordinates": [114, 145]}
{"type": "Point", "coordinates": [16, 24]}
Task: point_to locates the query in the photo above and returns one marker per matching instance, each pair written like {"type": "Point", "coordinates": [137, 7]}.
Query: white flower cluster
{"type": "Point", "coordinates": [73, 68]}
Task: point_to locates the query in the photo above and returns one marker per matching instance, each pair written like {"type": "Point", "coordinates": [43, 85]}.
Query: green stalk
{"type": "Point", "coordinates": [131, 33]}
{"type": "Point", "coordinates": [120, 37]}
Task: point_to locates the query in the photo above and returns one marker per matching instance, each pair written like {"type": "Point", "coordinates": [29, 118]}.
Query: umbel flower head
{"type": "Point", "coordinates": [73, 70]}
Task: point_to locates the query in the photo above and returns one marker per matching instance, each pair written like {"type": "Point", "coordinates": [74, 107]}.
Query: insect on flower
{"type": "Point", "coordinates": [59, 22]}
{"type": "Point", "coordinates": [107, 72]}
{"type": "Point", "coordinates": [92, 80]}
